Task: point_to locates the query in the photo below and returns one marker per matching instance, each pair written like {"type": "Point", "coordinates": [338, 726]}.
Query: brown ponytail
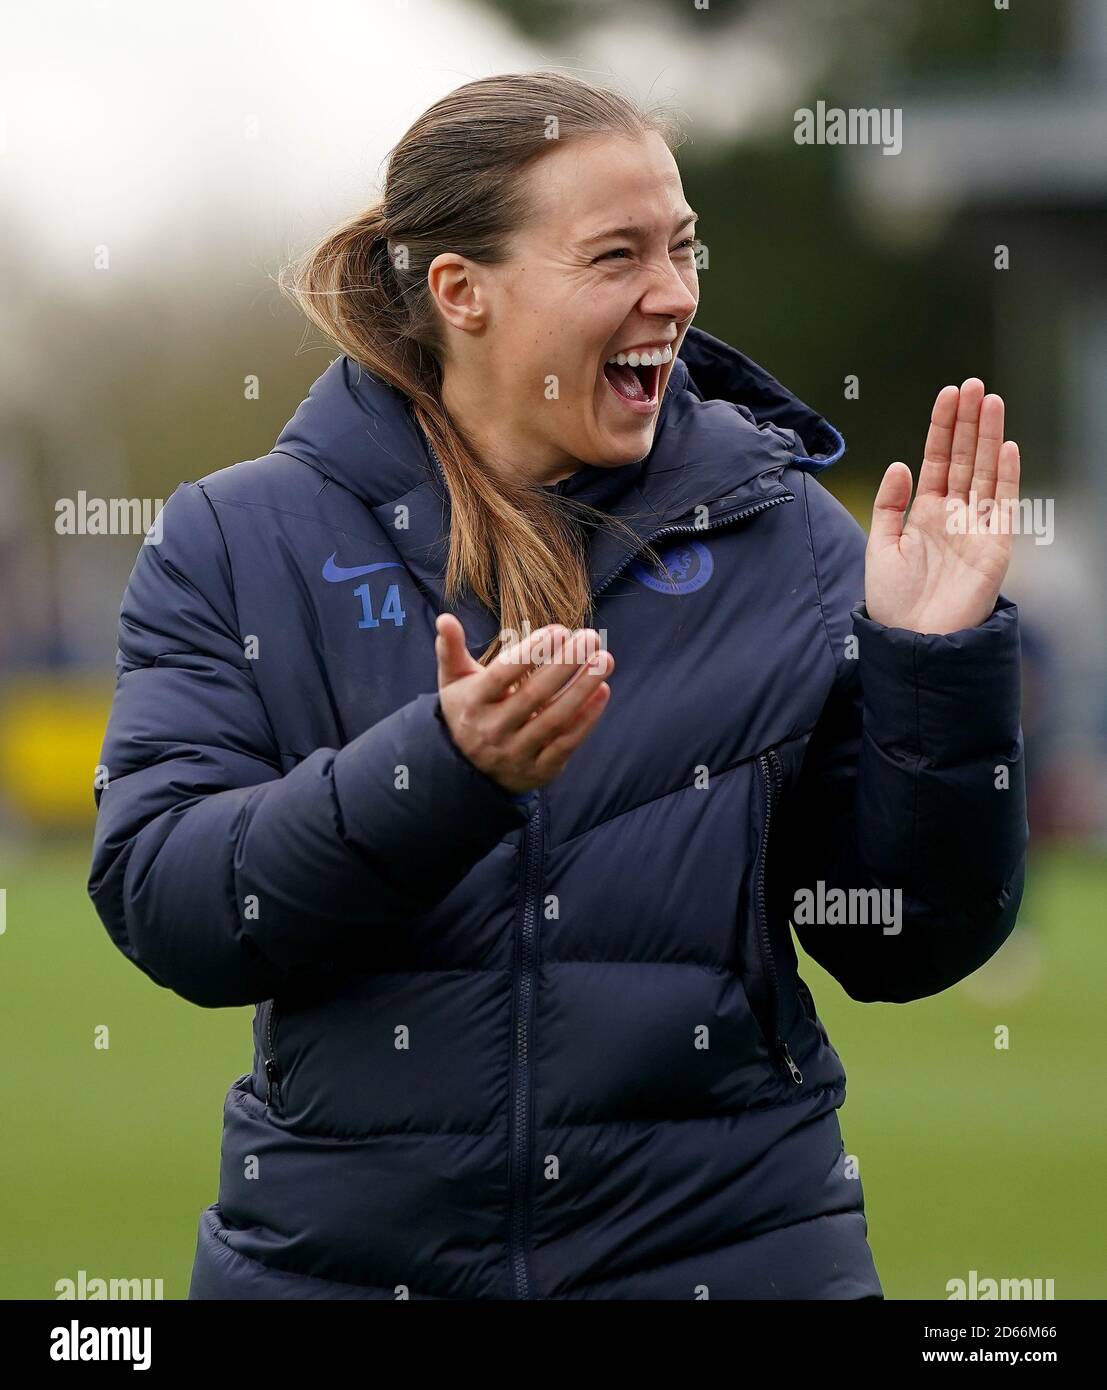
{"type": "Point", "coordinates": [453, 184]}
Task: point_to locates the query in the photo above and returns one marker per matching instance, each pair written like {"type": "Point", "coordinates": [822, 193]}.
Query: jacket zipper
{"type": "Point", "coordinates": [272, 1078]}
{"type": "Point", "coordinates": [437, 460]}
{"type": "Point", "coordinates": [524, 986]}
{"type": "Point", "coordinates": [769, 765]}
{"type": "Point", "coordinates": [769, 774]}
{"type": "Point", "coordinates": [695, 531]}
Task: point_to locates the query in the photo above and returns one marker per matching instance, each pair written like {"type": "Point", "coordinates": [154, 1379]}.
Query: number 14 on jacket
{"type": "Point", "coordinates": [392, 610]}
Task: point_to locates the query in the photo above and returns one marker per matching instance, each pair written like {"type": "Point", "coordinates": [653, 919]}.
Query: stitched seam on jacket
{"type": "Point", "coordinates": [430, 481]}
{"type": "Point", "coordinates": [721, 970]}
{"type": "Point", "coordinates": [913, 878]}
{"type": "Point", "coordinates": [815, 573]}
{"type": "Point", "coordinates": [301, 1275]}
{"type": "Point", "coordinates": [325, 1136]}
{"type": "Point", "coordinates": [640, 1270]}
{"type": "Point", "coordinates": [127, 666]}
{"type": "Point", "coordinates": [173, 756]}
{"type": "Point", "coordinates": [314, 518]}
{"type": "Point", "coordinates": [738, 762]}
{"type": "Point", "coordinates": [684, 786]}
{"type": "Point", "coordinates": [755, 1108]}
{"type": "Point", "coordinates": [367, 502]}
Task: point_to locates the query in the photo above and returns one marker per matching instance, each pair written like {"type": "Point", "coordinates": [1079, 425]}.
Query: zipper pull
{"type": "Point", "coordinates": [271, 1081]}
{"type": "Point", "coordinates": [786, 1056]}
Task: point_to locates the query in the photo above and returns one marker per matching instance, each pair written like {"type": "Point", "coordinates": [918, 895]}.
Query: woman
{"type": "Point", "coordinates": [529, 1021]}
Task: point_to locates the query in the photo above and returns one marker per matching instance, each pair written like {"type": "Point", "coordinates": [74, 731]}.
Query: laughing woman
{"type": "Point", "coordinates": [514, 910]}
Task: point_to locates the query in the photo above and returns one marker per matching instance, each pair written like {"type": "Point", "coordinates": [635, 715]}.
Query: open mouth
{"type": "Point", "coordinates": [635, 384]}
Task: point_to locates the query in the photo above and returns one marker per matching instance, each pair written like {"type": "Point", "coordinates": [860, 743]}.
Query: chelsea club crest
{"type": "Point", "coordinates": [684, 568]}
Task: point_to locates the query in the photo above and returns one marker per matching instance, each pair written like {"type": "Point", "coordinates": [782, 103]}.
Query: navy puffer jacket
{"type": "Point", "coordinates": [553, 1046]}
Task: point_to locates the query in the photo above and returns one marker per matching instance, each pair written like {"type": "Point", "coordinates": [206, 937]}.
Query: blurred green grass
{"type": "Point", "coordinates": [971, 1158]}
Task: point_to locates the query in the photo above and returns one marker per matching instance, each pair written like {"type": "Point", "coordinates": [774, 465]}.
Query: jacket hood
{"type": "Point", "coordinates": [726, 430]}
{"type": "Point", "coordinates": [716, 371]}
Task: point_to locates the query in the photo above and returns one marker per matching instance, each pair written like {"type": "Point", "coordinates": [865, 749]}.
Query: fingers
{"type": "Point", "coordinates": [963, 444]}
{"type": "Point", "coordinates": [963, 450]}
{"type": "Point", "coordinates": [892, 497]}
{"type": "Point", "coordinates": [934, 474]}
{"type": "Point", "coordinates": [537, 700]}
{"type": "Point", "coordinates": [1008, 470]}
{"type": "Point", "coordinates": [553, 680]}
{"type": "Point", "coordinates": [556, 694]}
{"type": "Point", "coordinates": [553, 757]}
{"type": "Point", "coordinates": [559, 716]}
{"type": "Point", "coordinates": [533, 671]}
{"type": "Point", "coordinates": [989, 439]}
{"type": "Point", "coordinates": [516, 662]}
{"type": "Point", "coordinates": [454, 660]}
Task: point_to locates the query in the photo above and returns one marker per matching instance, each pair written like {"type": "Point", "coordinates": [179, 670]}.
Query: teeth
{"type": "Point", "coordinates": [652, 357]}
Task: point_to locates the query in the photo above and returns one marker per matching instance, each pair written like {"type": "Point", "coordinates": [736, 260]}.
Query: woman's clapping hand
{"type": "Point", "coordinates": [520, 718]}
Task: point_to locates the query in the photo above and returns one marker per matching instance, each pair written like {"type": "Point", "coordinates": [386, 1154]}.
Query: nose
{"type": "Point", "coordinates": [669, 295]}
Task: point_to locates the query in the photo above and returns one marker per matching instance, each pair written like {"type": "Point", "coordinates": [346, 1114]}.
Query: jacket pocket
{"type": "Point", "coordinates": [269, 1054]}
{"type": "Point", "coordinates": [772, 778]}
{"type": "Point", "coordinates": [807, 1001]}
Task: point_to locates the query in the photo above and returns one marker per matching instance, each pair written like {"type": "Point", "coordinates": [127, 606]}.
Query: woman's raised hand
{"type": "Point", "coordinates": [521, 717]}
{"type": "Point", "coordinates": [943, 570]}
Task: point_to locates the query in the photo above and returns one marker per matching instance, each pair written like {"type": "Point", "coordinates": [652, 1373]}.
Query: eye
{"type": "Point", "coordinates": [688, 244]}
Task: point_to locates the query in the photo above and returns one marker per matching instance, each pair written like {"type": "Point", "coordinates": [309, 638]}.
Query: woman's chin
{"type": "Point", "coordinates": [620, 454]}
{"type": "Point", "coordinates": [622, 436]}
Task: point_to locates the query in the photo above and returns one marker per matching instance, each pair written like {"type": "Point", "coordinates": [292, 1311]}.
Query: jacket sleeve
{"type": "Point", "coordinates": [212, 872]}
{"type": "Point", "coordinates": [912, 781]}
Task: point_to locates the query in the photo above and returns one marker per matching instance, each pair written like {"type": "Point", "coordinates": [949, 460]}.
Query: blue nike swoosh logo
{"type": "Point", "coordinates": [335, 574]}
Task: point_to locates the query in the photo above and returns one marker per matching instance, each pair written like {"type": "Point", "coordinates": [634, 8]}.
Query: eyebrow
{"type": "Point", "coordinates": [633, 230]}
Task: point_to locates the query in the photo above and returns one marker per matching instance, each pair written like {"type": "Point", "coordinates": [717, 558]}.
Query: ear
{"type": "Point", "coordinates": [451, 280]}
